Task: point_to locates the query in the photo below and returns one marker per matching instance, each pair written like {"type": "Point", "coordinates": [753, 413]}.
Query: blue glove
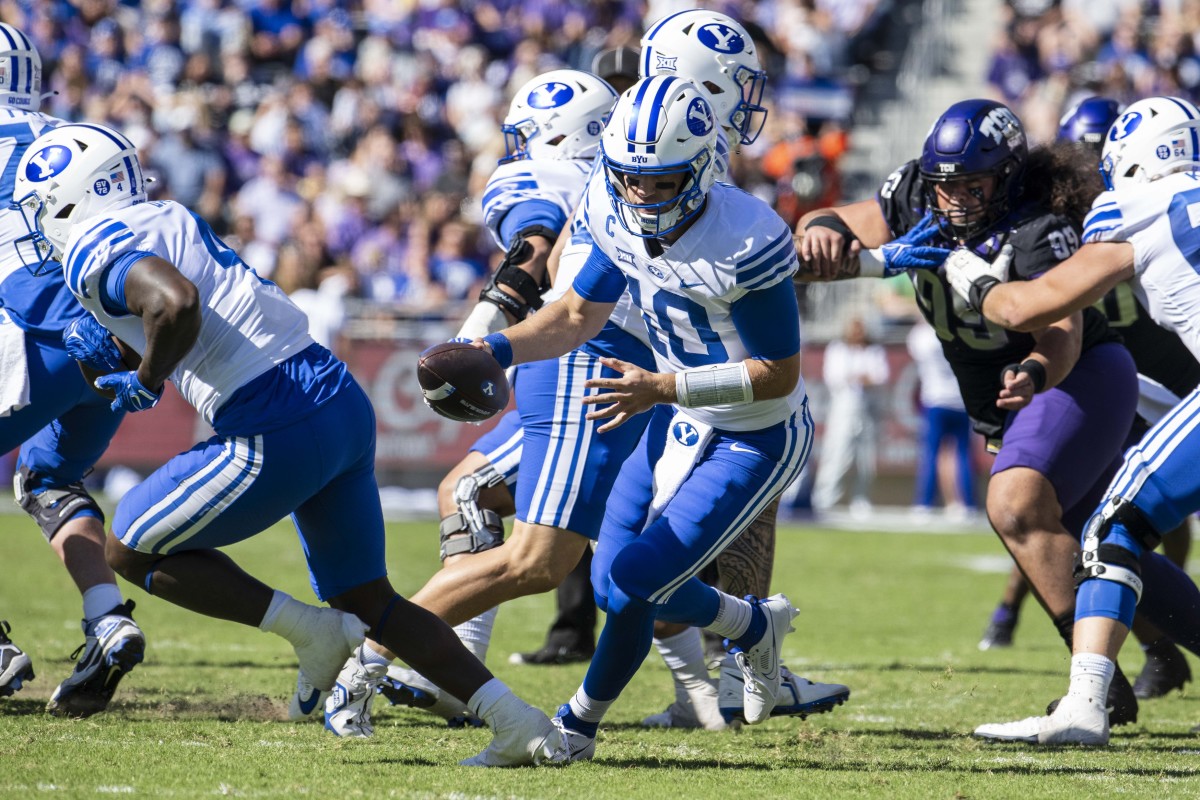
{"type": "Point", "coordinates": [89, 341]}
{"type": "Point", "coordinates": [910, 251]}
{"type": "Point", "coordinates": [131, 395]}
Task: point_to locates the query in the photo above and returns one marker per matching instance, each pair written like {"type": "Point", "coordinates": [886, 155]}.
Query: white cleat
{"type": "Point", "coordinates": [1074, 721]}
{"type": "Point", "coordinates": [332, 637]}
{"type": "Point", "coordinates": [697, 708]}
{"type": "Point", "coordinates": [796, 697]}
{"type": "Point", "coordinates": [407, 687]}
{"type": "Point", "coordinates": [760, 664]}
{"type": "Point", "coordinates": [572, 745]}
{"type": "Point", "coordinates": [523, 735]}
{"type": "Point", "coordinates": [348, 708]}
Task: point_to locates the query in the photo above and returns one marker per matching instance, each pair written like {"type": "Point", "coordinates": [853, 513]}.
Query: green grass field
{"type": "Point", "coordinates": [896, 617]}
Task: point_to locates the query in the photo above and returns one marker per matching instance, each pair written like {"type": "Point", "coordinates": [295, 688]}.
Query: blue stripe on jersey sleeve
{"type": "Point", "coordinates": [1092, 234]}
{"type": "Point", "coordinates": [504, 187]}
{"type": "Point", "coordinates": [1102, 215]}
{"type": "Point", "coordinates": [768, 322]}
{"type": "Point", "coordinates": [528, 214]}
{"type": "Point", "coordinates": [764, 260]}
{"type": "Point", "coordinates": [112, 282]}
{"type": "Point", "coordinates": [786, 268]}
{"type": "Point", "coordinates": [75, 264]}
{"type": "Point", "coordinates": [599, 279]}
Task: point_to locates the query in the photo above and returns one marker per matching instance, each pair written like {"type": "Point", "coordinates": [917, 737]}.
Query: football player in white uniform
{"type": "Point", "coordinates": [295, 434]}
{"type": "Point", "coordinates": [1143, 230]}
{"type": "Point", "coordinates": [731, 428]}
{"type": "Point", "coordinates": [556, 467]}
{"type": "Point", "coordinates": [61, 426]}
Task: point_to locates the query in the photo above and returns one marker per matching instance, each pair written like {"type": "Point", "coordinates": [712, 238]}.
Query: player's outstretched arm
{"type": "Point", "coordinates": [556, 330]}
{"type": "Point", "coordinates": [829, 240]}
{"type": "Point", "coordinates": [1071, 286]}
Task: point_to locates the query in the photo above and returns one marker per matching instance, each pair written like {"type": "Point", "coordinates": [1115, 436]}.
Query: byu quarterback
{"type": "Point", "coordinates": [731, 429]}
{"type": "Point", "coordinates": [295, 434]}
{"type": "Point", "coordinates": [1141, 230]}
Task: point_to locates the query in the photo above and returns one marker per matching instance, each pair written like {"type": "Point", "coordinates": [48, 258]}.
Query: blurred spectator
{"type": "Point", "coordinates": [855, 372]}
{"type": "Point", "coordinates": [944, 421]}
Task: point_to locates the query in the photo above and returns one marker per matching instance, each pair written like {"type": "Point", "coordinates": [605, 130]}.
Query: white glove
{"type": "Point", "coordinates": [972, 277]}
{"type": "Point", "coordinates": [484, 318]}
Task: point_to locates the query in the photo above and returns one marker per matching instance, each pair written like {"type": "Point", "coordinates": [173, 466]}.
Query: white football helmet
{"type": "Point", "coordinates": [20, 70]}
{"type": "Point", "coordinates": [716, 53]}
{"type": "Point", "coordinates": [661, 126]}
{"type": "Point", "coordinates": [67, 175]}
{"type": "Point", "coordinates": [1153, 138]}
{"type": "Point", "coordinates": [557, 115]}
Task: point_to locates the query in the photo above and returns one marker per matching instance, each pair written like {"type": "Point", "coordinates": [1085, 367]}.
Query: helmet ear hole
{"type": "Point", "coordinates": [65, 211]}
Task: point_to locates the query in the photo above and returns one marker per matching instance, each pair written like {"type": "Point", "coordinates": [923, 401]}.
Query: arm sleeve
{"type": "Point", "coordinates": [768, 322]}
{"type": "Point", "coordinates": [529, 214]}
{"type": "Point", "coordinates": [599, 279]}
{"type": "Point", "coordinates": [112, 282]}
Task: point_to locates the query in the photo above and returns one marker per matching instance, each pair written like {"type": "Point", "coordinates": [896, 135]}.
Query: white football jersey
{"type": "Point", "coordinates": [248, 325]}
{"type": "Point", "coordinates": [737, 244]}
{"type": "Point", "coordinates": [1161, 219]}
{"type": "Point", "coordinates": [554, 181]}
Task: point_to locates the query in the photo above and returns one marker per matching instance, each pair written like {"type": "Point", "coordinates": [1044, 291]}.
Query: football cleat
{"type": "Point", "coordinates": [1122, 702]}
{"type": "Point", "coordinates": [760, 663]}
{"type": "Point", "coordinates": [552, 654]}
{"type": "Point", "coordinates": [572, 745]}
{"type": "Point", "coordinates": [15, 666]}
{"type": "Point", "coordinates": [1074, 721]}
{"type": "Point", "coordinates": [332, 637]}
{"type": "Point", "coordinates": [348, 708]}
{"type": "Point", "coordinates": [114, 646]}
{"type": "Point", "coordinates": [522, 735]}
{"type": "Point", "coordinates": [797, 697]}
{"type": "Point", "coordinates": [1166, 669]}
{"type": "Point", "coordinates": [693, 708]}
{"type": "Point", "coordinates": [998, 634]}
{"type": "Point", "coordinates": [407, 687]}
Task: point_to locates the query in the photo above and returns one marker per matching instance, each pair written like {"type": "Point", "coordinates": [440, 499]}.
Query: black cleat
{"type": "Point", "coordinates": [551, 654]}
{"type": "Point", "coordinates": [114, 646]}
{"type": "Point", "coordinates": [998, 634]}
{"type": "Point", "coordinates": [15, 666]}
{"type": "Point", "coordinates": [1166, 670]}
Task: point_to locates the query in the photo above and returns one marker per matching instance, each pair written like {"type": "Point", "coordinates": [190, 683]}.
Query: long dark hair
{"type": "Point", "coordinates": [1064, 178]}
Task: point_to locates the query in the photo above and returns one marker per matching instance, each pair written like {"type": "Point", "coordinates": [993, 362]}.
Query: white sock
{"type": "Point", "coordinates": [476, 634]}
{"type": "Point", "coordinates": [369, 655]}
{"type": "Point", "coordinates": [488, 698]}
{"type": "Point", "coordinates": [100, 599]}
{"type": "Point", "coordinates": [284, 617]}
{"type": "Point", "coordinates": [1091, 675]}
{"type": "Point", "coordinates": [684, 656]}
{"type": "Point", "coordinates": [589, 709]}
{"type": "Point", "coordinates": [733, 617]}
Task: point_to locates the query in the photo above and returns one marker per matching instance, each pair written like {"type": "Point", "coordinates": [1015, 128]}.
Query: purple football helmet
{"type": "Point", "coordinates": [974, 138]}
{"type": "Point", "coordinates": [1088, 121]}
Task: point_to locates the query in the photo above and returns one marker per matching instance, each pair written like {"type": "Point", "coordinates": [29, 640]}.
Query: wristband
{"type": "Point", "coordinates": [1035, 369]}
{"type": "Point", "coordinates": [834, 223]}
{"type": "Point", "coordinates": [501, 348]}
{"type": "Point", "coordinates": [716, 385]}
{"type": "Point", "coordinates": [979, 290]}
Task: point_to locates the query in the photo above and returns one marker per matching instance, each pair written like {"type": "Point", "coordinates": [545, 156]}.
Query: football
{"type": "Point", "coordinates": [461, 382]}
{"type": "Point", "coordinates": [129, 357]}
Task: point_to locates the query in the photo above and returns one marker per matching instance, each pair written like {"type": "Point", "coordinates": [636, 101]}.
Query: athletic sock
{"type": "Point", "coordinates": [476, 633]}
{"type": "Point", "coordinates": [1091, 675]}
{"type": "Point", "coordinates": [100, 600]}
{"type": "Point", "coordinates": [736, 619]}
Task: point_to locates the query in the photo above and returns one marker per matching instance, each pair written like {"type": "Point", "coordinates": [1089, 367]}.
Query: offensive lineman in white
{"type": "Point", "coordinates": [295, 434]}
{"type": "Point", "coordinates": [709, 268]}
{"type": "Point", "coordinates": [1143, 230]}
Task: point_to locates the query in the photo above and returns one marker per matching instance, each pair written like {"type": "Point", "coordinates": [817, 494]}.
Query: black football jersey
{"type": "Point", "coordinates": [977, 348]}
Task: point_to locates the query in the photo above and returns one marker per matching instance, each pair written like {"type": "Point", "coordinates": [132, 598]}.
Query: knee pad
{"type": "Point", "coordinates": [1112, 561]}
{"type": "Point", "coordinates": [472, 529]}
{"type": "Point", "coordinates": [52, 508]}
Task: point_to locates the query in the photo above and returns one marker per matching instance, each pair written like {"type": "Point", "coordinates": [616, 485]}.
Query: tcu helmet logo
{"type": "Point", "coordinates": [551, 95]}
{"type": "Point", "coordinates": [1000, 124]}
{"type": "Point", "coordinates": [723, 39]}
{"type": "Point", "coordinates": [699, 117]}
{"type": "Point", "coordinates": [47, 162]}
{"type": "Point", "coordinates": [1125, 125]}
{"type": "Point", "coordinates": [685, 433]}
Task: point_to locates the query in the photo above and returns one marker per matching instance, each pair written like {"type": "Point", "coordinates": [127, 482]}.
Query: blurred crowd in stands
{"type": "Point", "coordinates": [1051, 53]}
{"type": "Point", "coordinates": [341, 145]}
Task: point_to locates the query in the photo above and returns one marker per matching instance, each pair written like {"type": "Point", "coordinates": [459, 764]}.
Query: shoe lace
{"type": "Point", "coordinates": [573, 742]}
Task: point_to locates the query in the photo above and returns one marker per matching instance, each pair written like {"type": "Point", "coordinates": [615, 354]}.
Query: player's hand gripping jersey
{"type": "Point", "coordinates": [977, 348]}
